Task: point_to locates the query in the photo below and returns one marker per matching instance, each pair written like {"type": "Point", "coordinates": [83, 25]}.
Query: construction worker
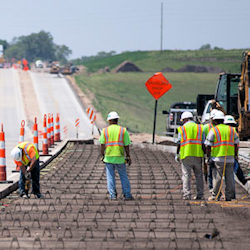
{"type": "Point", "coordinates": [206, 129]}
{"type": "Point", "coordinates": [114, 139]}
{"type": "Point", "coordinates": [229, 120]}
{"type": "Point", "coordinates": [222, 148]}
{"type": "Point", "coordinates": [26, 156]}
{"type": "Point", "coordinates": [190, 150]}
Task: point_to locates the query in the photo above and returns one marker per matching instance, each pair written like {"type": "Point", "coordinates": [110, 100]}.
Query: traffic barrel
{"type": "Point", "coordinates": [52, 130]}
{"type": "Point", "coordinates": [35, 135]}
{"type": "Point", "coordinates": [2, 156]}
{"type": "Point", "coordinates": [45, 140]}
{"type": "Point", "coordinates": [48, 132]}
{"type": "Point", "coordinates": [21, 137]}
{"type": "Point", "coordinates": [57, 129]}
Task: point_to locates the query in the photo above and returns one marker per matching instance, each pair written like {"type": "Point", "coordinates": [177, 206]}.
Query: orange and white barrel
{"type": "Point", "coordinates": [45, 140]}
{"type": "Point", "coordinates": [2, 156]}
{"type": "Point", "coordinates": [21, 137]}
{"type": "Point", "coordinates": [35, 134]}
{"type": "Point", "coordinates": [57, 129]}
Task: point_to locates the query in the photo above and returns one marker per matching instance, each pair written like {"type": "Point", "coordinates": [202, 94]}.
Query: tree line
{"type": "Point", "coordinates": [35, 46]}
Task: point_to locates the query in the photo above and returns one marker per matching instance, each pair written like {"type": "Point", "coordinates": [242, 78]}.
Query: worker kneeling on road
{"type": "Point", "coordinates": [26, 156]}
{"type": "Point", "coordinates": [222, 148]}
{"type": "Point", "coordinates": [190, 150]}
{"type": "Point", "coordinates": [113, 140]}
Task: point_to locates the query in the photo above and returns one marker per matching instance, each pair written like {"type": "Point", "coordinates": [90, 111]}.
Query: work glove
{"type": "Point", "coordinates": [177, 158]}
{"type": "Point", "coordinates": [128, 160]}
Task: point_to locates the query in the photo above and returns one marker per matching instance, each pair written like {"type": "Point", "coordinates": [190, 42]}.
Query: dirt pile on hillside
{"type": "Point", "coordinates": [194, 69]}
{"type": "Point", "coordinates": [127, 66]}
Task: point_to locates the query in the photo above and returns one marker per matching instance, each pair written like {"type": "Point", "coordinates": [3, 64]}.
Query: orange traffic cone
{"type": "Point", "coordinates": [35, 136]}
{"type": "Point", "coordinates": [48, 132]}
{"type": "Point", "coordinates": [57, 129]}
{"type": "Point", "coordinates": [52, 130]}
{"type": "Point", "coordinates": [2, 156]}
{"type": "Point", "coordinates": [45, 140]}
{"type": "Point", "coordinates": [21, 137]}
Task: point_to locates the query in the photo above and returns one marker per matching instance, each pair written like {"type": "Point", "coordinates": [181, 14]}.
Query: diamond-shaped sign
{"type": "Point", "coordinates": [158, 85]}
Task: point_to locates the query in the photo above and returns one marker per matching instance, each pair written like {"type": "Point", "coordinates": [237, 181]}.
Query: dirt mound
{"type": "Point", "coordinates": [168, 69]}
{"type": "Point", "coordinates": [127, 66]}
{"type": "Point", "coordinates": [194, 69]}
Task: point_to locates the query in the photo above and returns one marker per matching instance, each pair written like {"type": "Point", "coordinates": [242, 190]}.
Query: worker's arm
{"type": "Point", "coordinates": [102, 151]}
{"type": "Point", "coordinates": [128, 159]}
{"type": "Point", "coordinates": [236, 150]}
{"type": "Point", "coordinates": [32, 164]}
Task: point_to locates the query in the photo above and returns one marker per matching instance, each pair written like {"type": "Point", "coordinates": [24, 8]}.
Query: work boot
{"type": "Point", "coordinates": [187, 197]}
{"type": "Point", "coordinates": [22, 194]}
{"type": "Point", "coordinates": [39, 196]}
{"type": "Point", "coordinates": [198, 197]}
{"type": "Point", "coordinates": [128, 198]}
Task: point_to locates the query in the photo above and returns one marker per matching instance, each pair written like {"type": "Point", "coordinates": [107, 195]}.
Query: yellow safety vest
{"type": "Point", "coordinates": [26, 147]}
{"type": "Point", "coordinates": [114, 140]}
{"type": "Point", "coordinates": [224, 141]}
{"type": "Point", "coordinates": [191, 140]}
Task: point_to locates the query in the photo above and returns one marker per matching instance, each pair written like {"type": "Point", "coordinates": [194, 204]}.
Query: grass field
{"type": "Point", "coordinates": [153, 61]}
{"type": "Point", "coordinates": [126, 93]}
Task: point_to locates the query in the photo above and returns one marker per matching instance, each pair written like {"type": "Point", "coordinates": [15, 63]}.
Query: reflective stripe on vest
{"type": "Point", "coordinates": [114, 137]}
{"type": "Point", "coordinates": [224, 141]}
{"type": "Point", "coordinates": [191, 140]}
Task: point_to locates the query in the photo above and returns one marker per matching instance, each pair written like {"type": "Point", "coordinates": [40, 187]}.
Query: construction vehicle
{"type": "Point", "coordinates": [55, 68]}
{"type": "Point", "coordinates": [232, 94]}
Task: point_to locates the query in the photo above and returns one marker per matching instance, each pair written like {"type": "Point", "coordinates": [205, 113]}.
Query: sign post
{"type": "Point", "coordinates": [157, 86]}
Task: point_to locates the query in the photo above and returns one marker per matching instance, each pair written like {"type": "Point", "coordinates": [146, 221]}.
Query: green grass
{"type": "Point", "coordinates": [126, 93]}
{"type": "Point", "coordinates": [153, 61]}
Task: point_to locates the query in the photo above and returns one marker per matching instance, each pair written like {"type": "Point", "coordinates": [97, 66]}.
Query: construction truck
{"type": "Point", "coordinates": [232, 94]}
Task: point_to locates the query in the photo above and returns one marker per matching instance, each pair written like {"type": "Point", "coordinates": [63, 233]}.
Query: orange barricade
{"type": "Point", "coordinates": [21, 137]}
{"type": "Point", "coordinates": [45, 140]}
{"type": "Point", "coordinates": [48, 132]}
{"type": "Point", "coordinates": [57, 129]}
{"type": "Point", "coordinates": [52, 130]}
{"type": "Point", "coordinates": [35, 136]}
{"type": "Point", "coordinates": [2, 156]}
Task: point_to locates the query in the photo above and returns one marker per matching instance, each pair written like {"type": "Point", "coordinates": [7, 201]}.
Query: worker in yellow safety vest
{"type": "Point", "coordinates": [26, 156]}
{"type": "Point", "coordinates": [222, 147]}
{"type": "Point", "coordinates": [190, 151]}
{"type": "Point", "coordinates": [114, 139]}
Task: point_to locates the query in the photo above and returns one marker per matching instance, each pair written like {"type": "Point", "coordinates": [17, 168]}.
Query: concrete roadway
{"type": "Point", "coordinates": [11, 111]}
{"type": "Point", "coordinates": [53, 95]}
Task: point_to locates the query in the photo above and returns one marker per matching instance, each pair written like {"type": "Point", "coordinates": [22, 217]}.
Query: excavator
{"type": "Point", "coordinates": [232, 93]}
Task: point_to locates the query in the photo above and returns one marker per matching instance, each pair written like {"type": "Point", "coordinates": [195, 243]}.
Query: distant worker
{"type": "Point", "coordinates": [222, 148]}
{"type": "Point", "coordinates": [26, 156]}
{"type": "Point", "coordinates": [229, 120]}
{"type": "Point", "coordinates": [114, 139]}
{"type": "Point", "coordinates": [190, 150]}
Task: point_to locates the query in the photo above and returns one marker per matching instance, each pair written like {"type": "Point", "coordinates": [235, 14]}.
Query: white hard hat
{"type": "Point", "coordinates": [219, 115]}
{"type": "Point", "coordinates": [112, 115]}
{"type": "Point", "coordinates": [229, 119]}
{"type": "Point", "coordinates": [212, 113]}
{"type": "Point", "coordinates": [16, 154]}
{"type": "Point", "coordinates": [186, 115]}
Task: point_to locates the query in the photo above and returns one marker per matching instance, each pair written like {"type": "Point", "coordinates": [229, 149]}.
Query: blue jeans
{"type": "Point", "coordinates": [110, 172]}
{"type": "Point", "coordinates": [35, 176]}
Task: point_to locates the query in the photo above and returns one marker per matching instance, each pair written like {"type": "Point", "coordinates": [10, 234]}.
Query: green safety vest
{"type": "Point", "coordinates": [26, 146]}
{"type": "Point", "coordinates": [224, 141]}
{"type": "Point", "coordinates": [114, 140]}
{"type": "Point", "coordinates": [191, 140]}
{"type": "Point", "coordinates": [207, 127]}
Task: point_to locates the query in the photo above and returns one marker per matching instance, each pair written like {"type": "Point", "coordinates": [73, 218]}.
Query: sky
{"type": "Point", "coordinates": [90, 26]}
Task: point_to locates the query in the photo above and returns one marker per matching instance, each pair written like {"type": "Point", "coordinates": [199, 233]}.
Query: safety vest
{"type": "Point", "coordinates": [207, 127]}
{"type": "Point", "coordinates": [26, 147]}
{"type": "Point", "coordinates": [224, 141]}
{"type": "Point", "coordinates": [114, 137]}
{"type": "Point", "coordinates": [191, 140]}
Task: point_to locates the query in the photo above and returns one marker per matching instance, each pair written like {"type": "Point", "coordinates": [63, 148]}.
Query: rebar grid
{"type": "Point", "coordinates": [77, 213]}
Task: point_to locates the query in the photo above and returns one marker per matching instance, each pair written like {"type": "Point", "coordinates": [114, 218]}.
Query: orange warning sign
{"type": "Point", "coordinates": [158, 85]}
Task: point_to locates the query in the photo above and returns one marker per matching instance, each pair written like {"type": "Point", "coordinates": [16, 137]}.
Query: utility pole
{"type": "Point", "coordinates": [161, 25]}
